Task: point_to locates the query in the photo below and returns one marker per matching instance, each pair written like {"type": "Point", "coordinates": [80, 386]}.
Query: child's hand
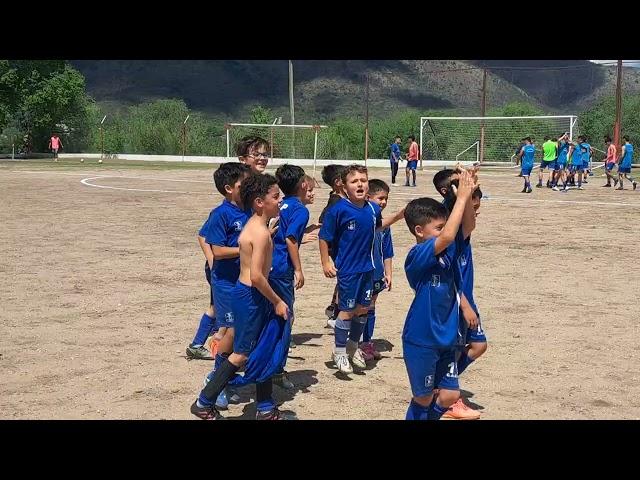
{"type": "Point", "coordinates": [387, 280]}
{"type": "Point", "coordinates": [466, 186]}
{"type": "Point", "coordinates": [282, 310]}
{"type": "Point", "coordinates": [298, 279]}
{"type": "Point", "coordinates": [309, 237]}
{"type": "Point", "coordinates": [329, 269]}
{"type": "Point", "coordinates": [470, 317]}
{"type": "Point", "coordinates": [273, 225]}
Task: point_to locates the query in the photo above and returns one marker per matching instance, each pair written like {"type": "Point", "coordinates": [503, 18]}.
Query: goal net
{"type": "Point", "coordinates": [487, 139]}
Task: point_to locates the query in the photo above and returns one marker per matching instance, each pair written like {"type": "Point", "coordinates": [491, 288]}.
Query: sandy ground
{"type": "Point", "coordinates": [103, 289]}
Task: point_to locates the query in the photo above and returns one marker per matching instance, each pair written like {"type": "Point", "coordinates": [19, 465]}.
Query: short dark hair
{"type": "Point", "coordinates": [422, 210]}
{"type": "Point", "coordinates": [256, 186]}
{"type": "Point", "coordinates": [412, 137]}
{"type": "Point", "coordinates": [607, 139]}
{"type": "Point", "coordinates": [228, 174]}
{"type": "Point", "coordinates": [330, 173]}
{"type": "Point", "coordinates": [442, 179]}
{"type": "Point", "coordinates": [289, 178]}
{"type": "Point", "coordinates": [526, 139]}
{"type": "Point", "coordinates": [477, 193]}
{"type": "Point", "coordinates": [249, 143]}
{"type": "Point", "coordinates": [581, 137]}
{"type": "Point", "coordinates": [376, 185]}
{"type": "Point", "coordinates": [546, 137]}
{"type": "Point", "coordinates": [354, 167]}
{"type": "Point", "coordinates": [625, 138]}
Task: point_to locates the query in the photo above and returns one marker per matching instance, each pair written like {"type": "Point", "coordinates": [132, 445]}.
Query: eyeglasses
{"type": "Point", "coordinates": [259, 156]}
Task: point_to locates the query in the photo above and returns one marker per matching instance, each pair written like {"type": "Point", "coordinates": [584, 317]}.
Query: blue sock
{"type": "Point", "coordinates": [367, 335]}
{"type": "Point", "coordinates": [266, 405]}
{"type": "Point", "coordinates": [220, 357]}
{"type": "Point", "coordinates": [357, 327]}
{"type": "Point", "coordinates": [204, 330]}
{"type": "Point", "coordinates": [417, 412]}
{"type": "Point", "coordinates": [341, 336]}
{"type": "Point", "coordinates": [463, 362]}
{"type": "Point", "coordinates": [436, 411]}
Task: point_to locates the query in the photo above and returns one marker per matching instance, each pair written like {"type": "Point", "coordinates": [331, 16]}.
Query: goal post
{"type": "Point", "coordinates": [486, 139]}
{"type": "Point", "coordinates": [286, 142]}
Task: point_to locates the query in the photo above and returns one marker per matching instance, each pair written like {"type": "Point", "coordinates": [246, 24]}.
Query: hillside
{"type": "Point", "coordinates": [327, 89]}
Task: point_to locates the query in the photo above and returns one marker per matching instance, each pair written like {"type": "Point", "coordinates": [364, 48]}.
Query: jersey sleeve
{"type": "Point", "coordinates": [217, 233]}
{"type": "Point", "coordinates": [421, 258]}
{"type": "Point", "coordinates": [387, 245]}
{"type": "Point", "coordinates": [297, 224]}
{"type": "Point", "coordinates": [329, 225]}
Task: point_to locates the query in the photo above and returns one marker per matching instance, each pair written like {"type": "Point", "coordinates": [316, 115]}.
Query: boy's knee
{"type": "Point", "coordinates": [479, 348]}
{"type": "Point", "coordinates": [446, 398]}
{"type": "Point", "coordinates": [423, 401]}
{"type": "Point", "coordinates": [238, 359]}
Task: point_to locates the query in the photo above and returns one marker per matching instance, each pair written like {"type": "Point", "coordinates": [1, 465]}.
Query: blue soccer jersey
{"type": "Point", "coordinates": [628, 155]}
{"type": "Point", "coordinates": [225, 224]}
{"type": "Point", "coordinates": [382, 249]}
{"type": "Point", "coordinates": [528, 156]}
{"type": "Point", "coordinates": [563, 149]}
{"type": "Point", "coordinates": [294, 217]}
{"type": "Point", "coordinates": [433, 317]}
{"type": "Point", "coordinates": [351, 231]}
{"type": "Point", "coordinates": [465, 263]}
{"type": "Point", "coordinates": [576, 156]}
{"type": "Point", "coordinates": [395, 150]}
{"type": "Point", "coordinates": [585, 149]}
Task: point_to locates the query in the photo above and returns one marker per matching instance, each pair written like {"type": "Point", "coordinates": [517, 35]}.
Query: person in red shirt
{"type": "Point", "coordinates": [412, 160]}
{"type": "Point", "coordinates": [610, 161]}
{"type": "Point", "coordinates": [55, 144]}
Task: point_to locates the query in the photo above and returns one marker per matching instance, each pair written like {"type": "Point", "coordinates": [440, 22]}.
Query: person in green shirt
{"type": "Point", "coordinates": [550, 151]}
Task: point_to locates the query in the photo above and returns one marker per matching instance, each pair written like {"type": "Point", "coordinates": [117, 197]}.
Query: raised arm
{"type": "Point", "coordinates": [466, 186]}
{"type": "Point", "coordinates": [388, 221]}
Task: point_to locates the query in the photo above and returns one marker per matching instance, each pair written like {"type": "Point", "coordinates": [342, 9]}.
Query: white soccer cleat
{"type": "Point", "coordinates": [555, 189]}
{"type": "Point", "coordinates": [331, 323]}
{"type": "Point", "coordinates": [342, 362]}
{"type": "Point", "coordinates": [358, 359]}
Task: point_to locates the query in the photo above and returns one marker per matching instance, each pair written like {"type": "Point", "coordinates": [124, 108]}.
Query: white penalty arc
{"type": "Point", "coordinates": [87, 182]}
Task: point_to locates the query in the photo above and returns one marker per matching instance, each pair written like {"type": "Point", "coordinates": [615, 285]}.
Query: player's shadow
{"type": "Point", "coordinates": [466, 395]}
{"type": "Point", "coordinates": [301, 379]}
{"type": "Point", "coordinates": [303, 338]}
{"type": "Point", "coordinates": [383, 345]}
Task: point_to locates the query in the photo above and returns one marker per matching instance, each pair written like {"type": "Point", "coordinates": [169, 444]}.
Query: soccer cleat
{"type": "Point", "coordinates": [539, 185]}
{"type": "Point", "coordinates": [205, 413]}
{"type": "Point", "coordinates": [524, 190]}
{"type": "Point", "coordinates": [331, 323]}
{"type": "Point", "coordinates": [606, 185]}
{"type": "Point", "coordinates": [358, 359]}
{"type": "Point", "coordinates": [459, 411]}
{"type": "Point", "coordinates": [529, 190]}
{"type": "Point", "coordinates": [580, 187]}
{"type": "Point", "coordinates": [274, 414]}
{"type": "Point", "coordinates": [330, 311]}
{"type": "Point", "coordinates": [555, 188]}
{"type": "Point", "coordinates": [282, 380]}
{"type": "Point", "coordinates": [199, 353]}
{"type": "Point", "coordinates": [620, 188]}
{"type": "Point", "coordinates": [406, 184]}
{"type": "Point", "coordinates": [413, 185]}
{"type": "Point", "coordinates": [342, 362]}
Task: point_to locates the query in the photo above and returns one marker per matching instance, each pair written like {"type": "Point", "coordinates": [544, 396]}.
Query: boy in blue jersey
{"type": "Point", "coordinates": [254, 301]}
{"type": "Point", "coordinates": [624, 164]}
{"type": "Point", "coordinates": [526, 156]}
{"type": "Point", "coordinates": [332, 176]}
{"type": "Point", "coordinates": [475, 343]}
{"type": "Point", "coordinates": [394, 158]}
{"type": "Point", "coordinates": [577, 168]}
{"type": "Point", "coordinates": [560, 172]}
{"type": "Point", "coordinates": [350, 226]}
{"type": "Point", "coordinates": [383, 268]}
{"type": "Point", "coordinates": [431, 333]}
{"type": "Point", "coordinates": [222, 232]}
{"type": "Point", "coordinates": [286, 275]}
{"type": "Point", "coordinates": [585, 149]}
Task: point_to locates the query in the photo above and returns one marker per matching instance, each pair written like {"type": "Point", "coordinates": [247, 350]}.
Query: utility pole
{"type": "Point", "coordinates": [366, 121]}
{"type": "Point", "coordinates": [618, 121]}
{"type": "Point", "coordinates": [483, 109]}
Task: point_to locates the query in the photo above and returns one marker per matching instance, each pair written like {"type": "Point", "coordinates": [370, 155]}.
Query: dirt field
{"type": "Point", "coordinates": [103, 289]}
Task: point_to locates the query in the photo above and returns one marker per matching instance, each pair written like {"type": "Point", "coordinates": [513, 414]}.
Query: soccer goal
{"type": "Point", "coordinates": [486, 139]}
{"type": "Point", "coordinates": [286, 142]}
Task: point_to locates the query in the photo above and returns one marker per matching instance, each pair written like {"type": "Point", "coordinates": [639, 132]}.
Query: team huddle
{"type": "Point", "coordinates": [252, 241]}
{"type": "Point", "coordinates": [569, 162]}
